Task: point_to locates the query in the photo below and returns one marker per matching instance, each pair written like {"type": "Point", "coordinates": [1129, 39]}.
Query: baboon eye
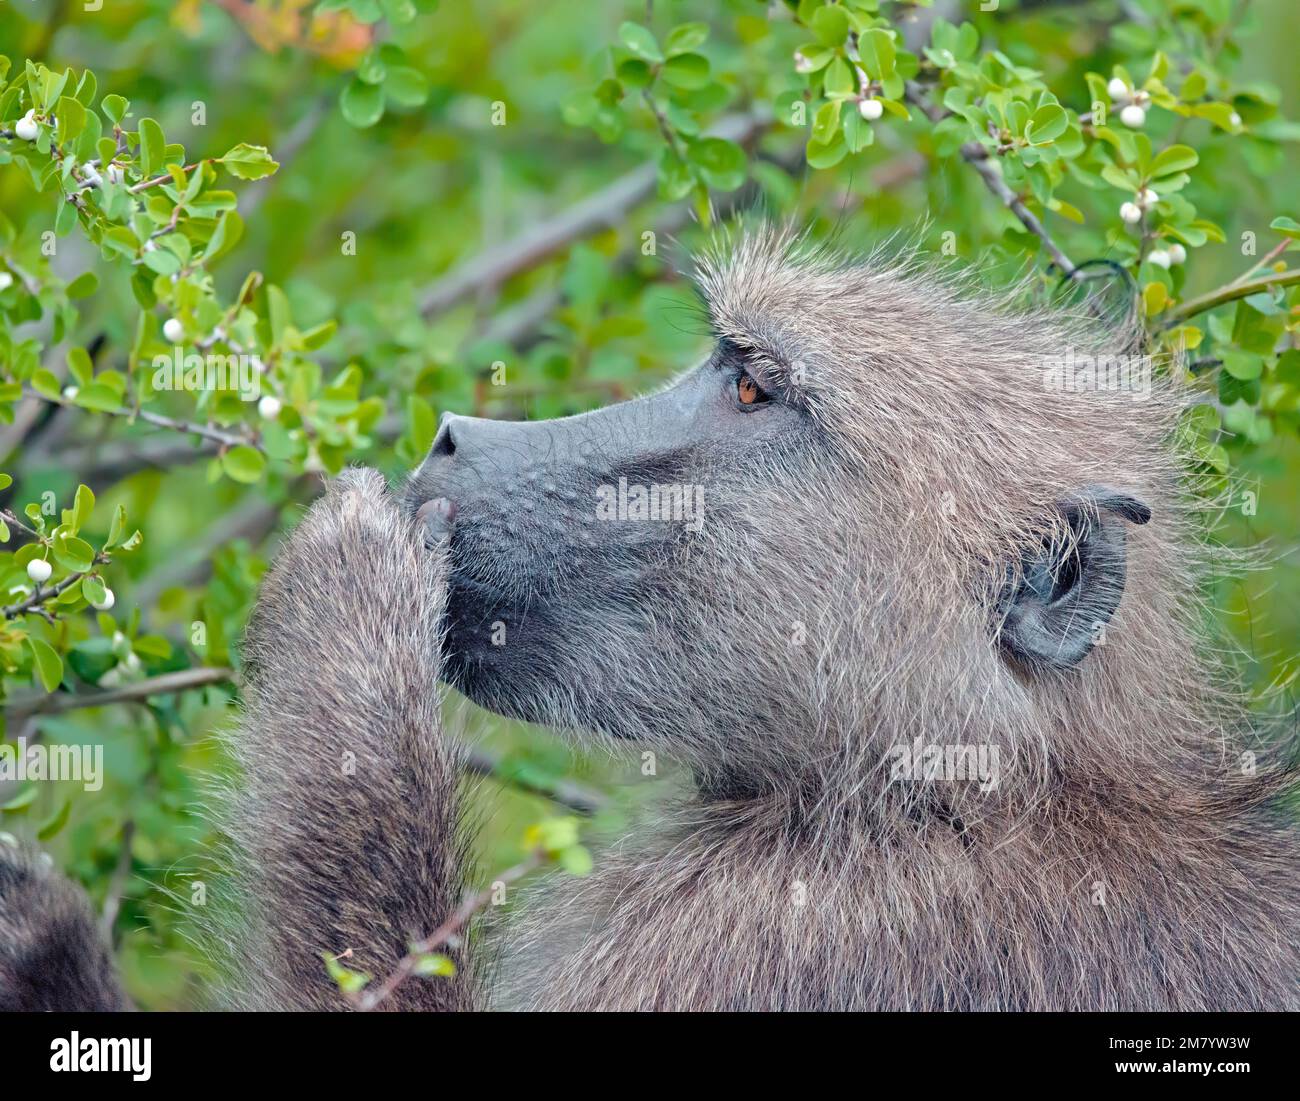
{"type": "Point", "coordinates": [748, 392]}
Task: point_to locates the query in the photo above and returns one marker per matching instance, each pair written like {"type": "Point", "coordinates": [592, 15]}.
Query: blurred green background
{"type": "Point", "coordinates": [425, 189]}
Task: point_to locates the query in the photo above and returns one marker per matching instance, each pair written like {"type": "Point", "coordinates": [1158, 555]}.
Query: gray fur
{"type": "Point", "coordinates": [52, 956]}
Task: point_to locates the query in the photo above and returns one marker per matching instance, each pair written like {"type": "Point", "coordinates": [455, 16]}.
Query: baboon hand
{"type": "Point", "coordinates": [355, 580]}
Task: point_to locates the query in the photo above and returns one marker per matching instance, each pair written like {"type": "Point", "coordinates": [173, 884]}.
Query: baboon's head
{"type": "Point", "coordinates": [870, 514]}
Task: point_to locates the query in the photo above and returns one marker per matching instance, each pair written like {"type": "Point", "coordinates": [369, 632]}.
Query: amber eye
{"type": "Point", "coordinates": [748, 392]}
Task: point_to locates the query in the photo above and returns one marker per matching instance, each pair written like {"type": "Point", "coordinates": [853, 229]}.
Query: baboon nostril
{"type": "Point", "coordinates": [444, 443]}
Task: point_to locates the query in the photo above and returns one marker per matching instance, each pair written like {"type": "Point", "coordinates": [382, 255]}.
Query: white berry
{"type": "Point", "coordinates": [1159, 257]}
{"type": "Point", "coordinates": [1133, 116]}
{"type": "Point", "coordinates": [1131, 213]}
{"type": "Point", "coordinates": [26, 127]}
{"type": "Point", "coordinates": [801, 63]}
{"type": "Point", "coordinates": [105, 604]}
{"type": "Point", "coordinates": [871, 109]}
{"type": "Point", "coordinates": [173, 330]}
{"type": "Point", "coordinates": [269, 407]}
{"type": "Point", "coordinates": [1177, 254]}
{"type": "Point", "coordinates": [1147, 197]}
{"type": "Point", "coordinates": [6, 280]}
{"type": "Point", "coordinates": [71, 392]}
{"type": "Point", "coordinates": [39, 570]}
{"type": "Point", "coordinates": [1235, 119]}
{"type": "Point", "coordinates": [1142, 98]}
{"type": "Point", "coordinates": [1117, 88]}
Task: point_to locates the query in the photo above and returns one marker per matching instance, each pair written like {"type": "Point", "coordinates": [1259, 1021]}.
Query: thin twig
{"type": "Point", "coordinates": [40, 595]}
{"type": "Point", "coordinates": [113, 900]}
{"type": "Point", "coordinates": [206, 431]}
{"type": "Point", "coordinates": [1267, 259]}
{"type": "Point", "coordinates": [370, 999]}
{"type": "Point", "coordinates": [182, 680]}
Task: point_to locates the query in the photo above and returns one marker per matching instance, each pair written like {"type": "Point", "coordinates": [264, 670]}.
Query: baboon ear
{"type": "Point", "coordinates": [1053, 611]}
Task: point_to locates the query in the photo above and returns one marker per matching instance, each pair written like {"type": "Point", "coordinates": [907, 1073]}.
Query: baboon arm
{"type": "Point", "coordinates": [346, 810]}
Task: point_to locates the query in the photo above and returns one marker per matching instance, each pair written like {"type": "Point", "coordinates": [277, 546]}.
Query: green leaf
{"type": "Point", "coordinates": [641, 42]}
{"type": "Point", "coordinates": [225, 236]}
{"type": "Point", "coordinates": [21, 801]}
{"type": "Point", "coordinates": [1243, 365]}
{"type": "Point", "coordinates": [73, 554]}
{"type": "Point", "coordinates": [83, 505]}
{"type": "Point", "coordinates": [839, 79]}
{"type": "Point", "coordinates": [362, 104]}
{"type": "Point", "coordinates": [250, 162]}
{"type": "Point", "coordinates": [161, 261]}
{"type": "Point", "coordinates": [56, 822]}
{"type": "Point", "coordinates": [576, 860]}
{"type": "Point", "coordinates": [114, 108]}
{"type": "Point", "coordinates": [721, 163]}
{"type": "Point", "coordinates": [92, 588]}
{"type": "Point", "coordinates": [1288, 227]}
{"type": "Point", "coordinates": [685, 37]}
{"type": "Point", "coordinates": [152, 147]}
{"type": "Point", "coordinates": [350, 982]}
{"type": "Point", "coordinates": [79, 365]}
{"type": "Point", "coordinates": [116, 527]}
{"type": "Point", "coordinates": [434, 965]}
{"type": "Point", "coordinates": [83, 286]}
{"type": "Point", "coordinates": [46, 383]}
{"type": "Point", "coordinates": [826, 122]}
{"type": "Point", "coordinates": [831, 25]}
{"type": "Point", "coordinates": [72, 118]}
{"type": "Point", "coordinates": [876, 50]}
{"type": "Point", "coordinates": [49, 666]}
{"type": "Point", "coordinates": [687, 71]}
{"type": "Point", "coordinates": [1175, 159]}
{"type": "Point", "coordinates": [1047, 124]}
{"type": "Point", "coordinates": [99, 397]}
{"type": "Point", "coordinates": [421, 424]}
{"type": "Point", "coordinates": [244, 464]}
{"type": "Point", "coordinates": [407, 87]}
{"type": "Point", "coordinates": [826, 155]}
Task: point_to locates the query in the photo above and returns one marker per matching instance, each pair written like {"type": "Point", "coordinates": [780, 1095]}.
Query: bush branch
{"type": "Point", "coordinates": [164, 684]}
{"type": "Point", "coordinates": [158, 420]}
{"type": "Point", "coordinates": [492, 267]}
{"type": "Point", "coordinates": [1230, 293]}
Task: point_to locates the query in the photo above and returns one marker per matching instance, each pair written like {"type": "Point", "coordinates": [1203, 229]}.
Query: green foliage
{"type": "Point", "coordinates": [222, 244]}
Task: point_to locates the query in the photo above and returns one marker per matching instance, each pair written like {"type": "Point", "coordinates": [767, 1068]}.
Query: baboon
{"type": "Point", "coordinates": [51, 954]}
{"type": "Point", "coordinates": [913, 551]}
